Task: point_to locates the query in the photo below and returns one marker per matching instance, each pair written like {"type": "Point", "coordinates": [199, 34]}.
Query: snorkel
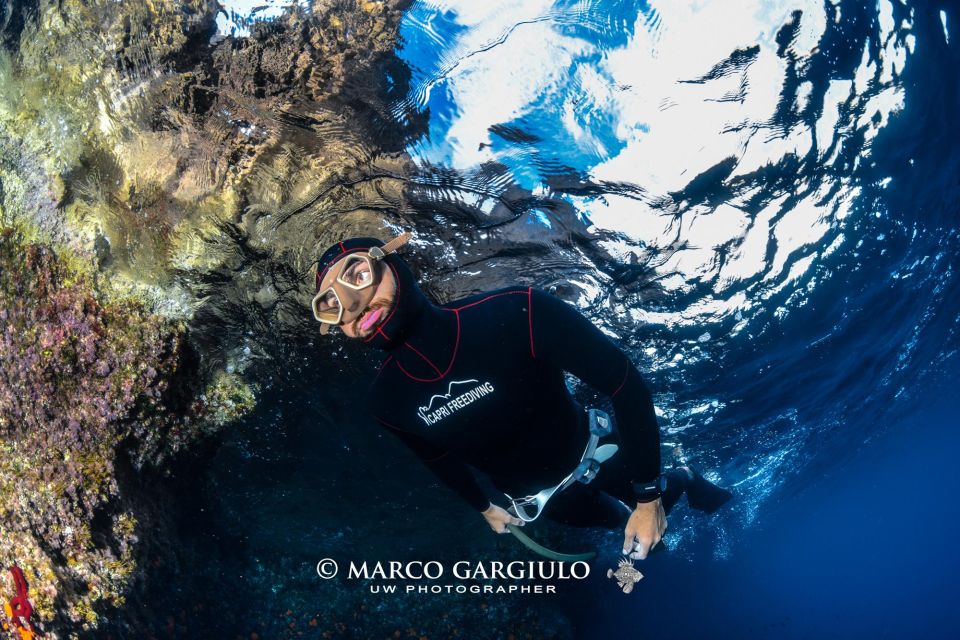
{"type": "Point", "coordinates": [550, 554]}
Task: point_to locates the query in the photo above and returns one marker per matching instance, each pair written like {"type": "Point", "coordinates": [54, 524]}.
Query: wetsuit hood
{"type": "Point", "coordinates": [409, 300]}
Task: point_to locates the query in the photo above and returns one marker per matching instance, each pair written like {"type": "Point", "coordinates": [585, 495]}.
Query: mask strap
{"type": "Point", "coordinates": [379, 253]}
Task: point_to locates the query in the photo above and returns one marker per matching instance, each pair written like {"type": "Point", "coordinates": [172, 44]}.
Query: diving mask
{"type": "Point", "coordinates": [349, 284]}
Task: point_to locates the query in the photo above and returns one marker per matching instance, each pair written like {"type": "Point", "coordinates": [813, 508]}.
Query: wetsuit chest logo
{"type": "Point", "coordinates": [459, 394]}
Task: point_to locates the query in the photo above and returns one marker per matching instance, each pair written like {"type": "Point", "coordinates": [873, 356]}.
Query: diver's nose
{"type": "Point", "coordinates": [353, 306]}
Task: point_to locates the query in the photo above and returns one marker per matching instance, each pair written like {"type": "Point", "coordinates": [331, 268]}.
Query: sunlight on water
{"type": "Point", "coordinates": [672, 113]}
{"type": "Point", "coordinates": [727, 139]}
{"type": "Point", "coordinates": [236, 16]}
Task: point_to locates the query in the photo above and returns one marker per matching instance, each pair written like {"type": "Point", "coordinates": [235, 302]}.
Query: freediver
{"type": "Point", "coordinates": [479, 382]}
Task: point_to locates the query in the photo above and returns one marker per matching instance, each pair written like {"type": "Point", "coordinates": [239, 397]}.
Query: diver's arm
{"type": "Point", "coordinates": [452, 472]}
{"type": "Point", "coordinates": [560, 335]}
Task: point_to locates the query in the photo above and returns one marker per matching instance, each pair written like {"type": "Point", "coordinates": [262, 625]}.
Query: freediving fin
{"type": "Point", "coordinates": [704, 495]}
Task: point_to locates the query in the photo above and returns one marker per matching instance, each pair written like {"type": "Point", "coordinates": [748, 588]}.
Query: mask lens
{"type": "Point", "coordinates": [326, 307]}
{"type": "Point", "coordinates": [357, 272]}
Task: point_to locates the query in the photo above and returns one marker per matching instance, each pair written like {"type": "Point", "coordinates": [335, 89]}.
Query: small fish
{"type": "Point", "coordinates": [626, 575]}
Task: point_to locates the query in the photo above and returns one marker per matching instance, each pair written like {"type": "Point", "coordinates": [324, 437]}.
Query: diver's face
{"type": "Point", "coordinates": [361, 323]}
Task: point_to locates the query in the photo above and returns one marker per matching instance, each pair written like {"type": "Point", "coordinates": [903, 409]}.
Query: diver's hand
{"type": "Point", "coordinates": [499, 518]}
{"type": "Point", "coordinates": [644, 529]}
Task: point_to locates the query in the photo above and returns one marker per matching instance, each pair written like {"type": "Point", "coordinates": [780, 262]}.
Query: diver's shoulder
{"type": "Point", "coordinates": [505, 295]}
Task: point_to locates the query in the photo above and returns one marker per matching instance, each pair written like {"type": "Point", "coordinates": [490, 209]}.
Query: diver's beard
{"type": "Point", "coordinates": [385, 307]}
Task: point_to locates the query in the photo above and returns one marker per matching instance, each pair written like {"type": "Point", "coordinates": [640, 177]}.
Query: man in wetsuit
{"type": "Point", "coordinates": [479, 382]}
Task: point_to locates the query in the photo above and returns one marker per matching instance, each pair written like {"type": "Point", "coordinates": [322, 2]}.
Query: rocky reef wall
{"type": "Point", "coordinates": [162, 195]}
{"type": "Point", "coordinates": [84, 380]}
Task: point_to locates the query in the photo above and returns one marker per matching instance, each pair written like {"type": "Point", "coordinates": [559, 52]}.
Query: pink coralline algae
{"type": "Point", "coordinates": [81, 382]}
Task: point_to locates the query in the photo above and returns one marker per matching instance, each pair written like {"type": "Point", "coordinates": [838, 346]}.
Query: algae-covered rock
{"type": "Point", "coordinates": [162, 195]}
{"type": "Point", "coordinates": [82, 382]}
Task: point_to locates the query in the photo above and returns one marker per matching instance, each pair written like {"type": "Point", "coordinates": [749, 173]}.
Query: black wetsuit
{"type": "Point", "coordinates": [480, 382]}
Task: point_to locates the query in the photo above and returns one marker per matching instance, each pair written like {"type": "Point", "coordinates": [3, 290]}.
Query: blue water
{"type": "Point", "coordinates": [812, 376]}
{"type": "Point", "coordinates": [865, 550]}
{"type": "Point", "coordinates": [759, 202]}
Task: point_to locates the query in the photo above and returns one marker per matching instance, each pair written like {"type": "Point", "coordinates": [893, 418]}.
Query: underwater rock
{"type": "Point", "coordinates": [159, 197]}
{"type": "Point", "coordinates": [313, 54]}
{"type": "Point", "coordinates": [13, 15]}
{"type": "Point", "coordinates": [209, 169]}
{"type": "Point", "coordinates": [84, 381]}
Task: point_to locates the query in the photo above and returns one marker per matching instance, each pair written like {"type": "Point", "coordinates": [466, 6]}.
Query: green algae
{"type": "Point", "coordinates": [228, 398]}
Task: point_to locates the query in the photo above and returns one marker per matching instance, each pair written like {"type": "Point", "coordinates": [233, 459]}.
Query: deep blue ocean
{"type": "Point", "coordinates": [829, 401]}
{"type": "Point", "coordinates": [865, 549]}
{"type": "Point", "coordinates": [759, 202]}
